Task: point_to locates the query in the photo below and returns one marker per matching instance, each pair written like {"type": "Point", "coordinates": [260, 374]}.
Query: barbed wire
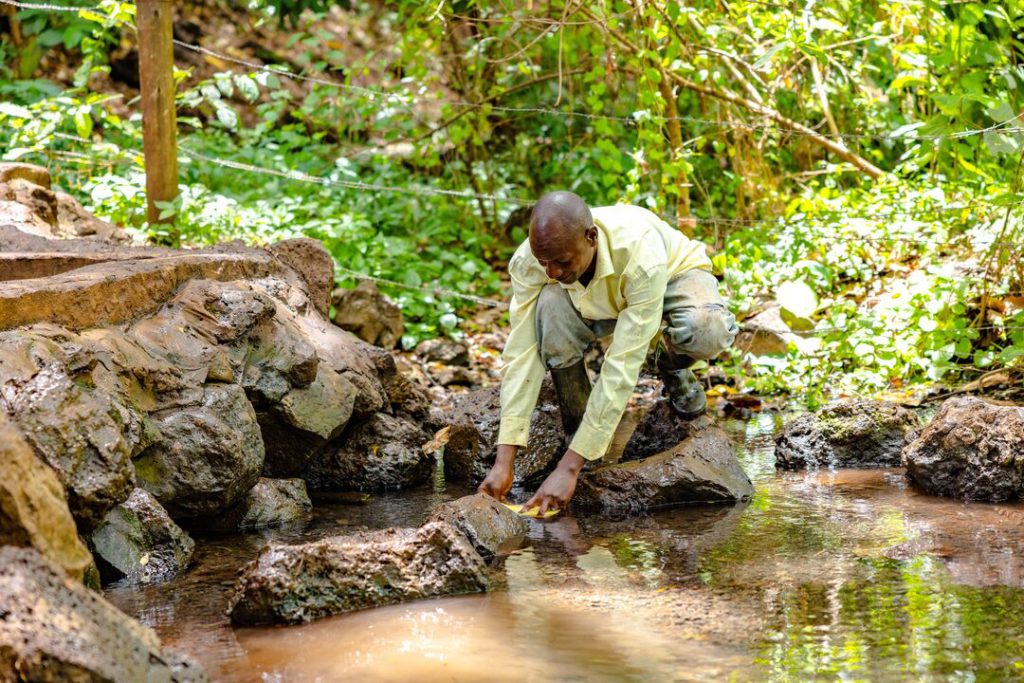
{"type": "Point", "coordinates": [431, 289]}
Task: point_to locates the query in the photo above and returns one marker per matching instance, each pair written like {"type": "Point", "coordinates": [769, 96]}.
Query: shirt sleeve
{"type": "Point", "coordinates": [637, 325]}
{"type": "Point", "coordinates": [523, 371]}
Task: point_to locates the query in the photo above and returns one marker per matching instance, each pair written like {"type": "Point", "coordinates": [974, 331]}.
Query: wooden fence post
{"type": "Point", "coordinates": [159, 124]}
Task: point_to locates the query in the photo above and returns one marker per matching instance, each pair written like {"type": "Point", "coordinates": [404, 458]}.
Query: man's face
{"type": "Point", "coordinates": [565, 258]}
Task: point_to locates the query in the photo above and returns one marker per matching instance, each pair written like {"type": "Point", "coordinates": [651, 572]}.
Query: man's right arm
{"type": "Point", "coordinates": [521, 377]}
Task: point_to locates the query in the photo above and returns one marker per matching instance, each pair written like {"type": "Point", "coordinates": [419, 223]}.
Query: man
{"type": "Point", "coordinates": [580, 275]}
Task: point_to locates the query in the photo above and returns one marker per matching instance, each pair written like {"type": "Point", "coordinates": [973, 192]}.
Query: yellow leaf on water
{"type": "Point", "coordinates": [532, 512]}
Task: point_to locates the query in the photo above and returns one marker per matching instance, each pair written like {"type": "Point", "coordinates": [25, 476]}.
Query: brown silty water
{"type": "Point", "coordinates": [823, 575]}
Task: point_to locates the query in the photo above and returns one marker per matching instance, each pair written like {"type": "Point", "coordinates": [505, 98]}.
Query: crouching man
{"type": "Point", "coordinates": [583, 274]}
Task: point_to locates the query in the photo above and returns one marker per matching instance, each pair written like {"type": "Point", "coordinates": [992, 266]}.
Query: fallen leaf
{"type": "Point", "coordinates": [439, 440]}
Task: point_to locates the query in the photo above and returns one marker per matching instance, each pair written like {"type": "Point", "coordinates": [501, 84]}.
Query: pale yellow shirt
{"type": "Point", "coordinates": [637, 255]}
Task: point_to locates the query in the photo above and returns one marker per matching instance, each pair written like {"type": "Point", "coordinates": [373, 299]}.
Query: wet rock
{"type": "Point", "coordinates": [279, 359]}
{"type": "Point", "coordinates": [659, 429]}
{"type": "Point", "coordinates": [345, 353]}
{"type": "Point", "coordinates": [297, 583]}
{"type": "Point", "coordinates": [36, 175]}
{"type": "Point", "coordinates": [210, 455]}
{"type": "Point", "coordinates": [310, 260]}
{"type": "Point", "coordinates": [270, 503]}
{"type": "Point", "coordinates": [368, 314]}
{"type": "Point", "coordinates": [444, 351]}
{"type": "Point", "coordinates": [54, 629]}
{"type": "Point", "coordinates": [701, 469]}
{"type": "Point", "coordinates": [77, 430]}
{"type": "Point", "coordinates": [847, 434]}
{"type": "Point", "coordinates": [472, 446]}
{"type": "Point", "coordinates": [489, 525]}
{"type": "Point", "coordinates": [33, 509]}
{"type": "Point", "coordinates": [138, 541]}
{"type": "Point", "coordinates": [381, 453]}
{"type": "Point", "coordinates": [304, 421]}
{"type": "Point", "coordinates": [972, 450]}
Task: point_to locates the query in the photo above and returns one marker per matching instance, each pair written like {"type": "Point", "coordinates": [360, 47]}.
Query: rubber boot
{"type": "Point", "coordinates": [572, 386]}
{"type": "Point", "coordinates": [682, 387]}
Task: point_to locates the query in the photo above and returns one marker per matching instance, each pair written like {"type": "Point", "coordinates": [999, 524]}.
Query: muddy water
{"type": "Point", "coordinates": [846, 574]}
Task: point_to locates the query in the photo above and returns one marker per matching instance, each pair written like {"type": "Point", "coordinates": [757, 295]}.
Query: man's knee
{"type": "Point", "coordinates": [700, 332]}
{"type": "Point", "coordinates": [562, 336]}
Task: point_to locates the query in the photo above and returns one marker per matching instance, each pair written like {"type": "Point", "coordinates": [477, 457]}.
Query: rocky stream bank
{"type": "Point", "coordinates": [152, 396]}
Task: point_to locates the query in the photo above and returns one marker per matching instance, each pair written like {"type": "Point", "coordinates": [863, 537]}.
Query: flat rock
{"type": "Point", "coordinates": [368, 314]}
{"type": "Point", "coordinates": [298, 583]}
{"type": "Point", "coordinates": [701, 469]}
{"type": "Point", "coordinates": [847, 434]}
{"type": "Point", "coordinates": [33, 509]}
{"type": "Point", "coordinates": [472, 446]}
{"type": "Point", "coordinates": [138, 542]}
{"type": "Point", "coordinates": [119, 291]}
{"type": "Point", "coordinates": [209, 455]}
{"type": "Point", "coordinates": [381, 453]}
{"type": "Point", "coordinates": [490, 526]}
{"type": "Point", "coordinates": [55, 629]}
{"type": "Point", "coordinates": [972, 450]}
{"type": "Point", "coordinates": [270, 503]}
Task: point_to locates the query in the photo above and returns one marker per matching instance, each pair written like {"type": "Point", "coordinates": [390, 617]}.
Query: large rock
{"type": "Point", "coordinates": [210, 455]}
{"type": "Point", "coordinates": [489, 525]}
{"type": "Point", "coordinates": [54, 629]}
{"type": "Point", "coordinates": [290, 584]}
{"type": "Point", "coordinates": [368, 314]}
{"type": "Point", "coordinates": [405, 396]}
{"type": "Point", "coordinates": [271, 503]}
{"type": "Point", "coordinates": [33, 510]}
{"type": "Point", "coordinates": [382, 453]}
{"type": "Point", "coordinates": [847, 434]}
{"type": "Point", "coordinates": [972, 450]}
{"type": "Point", "coordinates": [77, 430]}
{"type": "Point", "coordinates": [472, 447]}
{"type": "Point", "coordinates": [38, 175]}
{"type": "Point", "coordinates": [314, 264]}
{"type": "Point", "coordinates": [138, 541]}
{"type": "Point", "coordinates": [701, 469]}
{"type": "Point", "coordinates": [73, 220]}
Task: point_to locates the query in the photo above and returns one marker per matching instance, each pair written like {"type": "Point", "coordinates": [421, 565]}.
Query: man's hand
{"type": "Point", "coordinates": [499, 480]}
{"type": "Point", "coordinates": [557, 489]}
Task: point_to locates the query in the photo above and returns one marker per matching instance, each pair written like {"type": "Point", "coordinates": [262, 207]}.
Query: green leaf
{"type": "Point", "coordinates": [14, 111]}
{"type": "Point", "coordinates": [227, 117]}
{"type": "Point", "coordinates": [83, 122]}
{"type": "Point", "coordinates": [247, 86]}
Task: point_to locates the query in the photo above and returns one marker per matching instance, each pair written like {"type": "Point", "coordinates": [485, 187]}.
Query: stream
{"type": "Point", "coordinates": [845, 574]}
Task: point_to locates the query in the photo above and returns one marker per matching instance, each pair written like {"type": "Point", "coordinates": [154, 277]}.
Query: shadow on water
{"type": "Point", "coordinates": [823, 575]}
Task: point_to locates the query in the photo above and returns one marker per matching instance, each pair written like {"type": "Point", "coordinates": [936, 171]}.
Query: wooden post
{"type": "Point", "coordinates": [159, 124]}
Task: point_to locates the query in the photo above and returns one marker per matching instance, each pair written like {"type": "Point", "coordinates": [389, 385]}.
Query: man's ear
{"type": "Point", "coordinates": [591, 234]}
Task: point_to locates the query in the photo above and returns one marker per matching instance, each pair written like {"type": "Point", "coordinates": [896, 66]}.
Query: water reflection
{"type": "Point", "coordinates": [823, 575]}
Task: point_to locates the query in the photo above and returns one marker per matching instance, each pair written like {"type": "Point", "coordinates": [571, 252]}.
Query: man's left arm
{"type": "Point", "coordinates": [637, 325]}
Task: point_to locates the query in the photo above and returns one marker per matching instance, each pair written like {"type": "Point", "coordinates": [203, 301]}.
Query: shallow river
{"type": "Point", "coordinates": [846, 574]}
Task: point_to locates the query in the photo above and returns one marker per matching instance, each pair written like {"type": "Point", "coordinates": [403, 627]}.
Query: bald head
{"type": "Point", "coordinates": [563, 237]}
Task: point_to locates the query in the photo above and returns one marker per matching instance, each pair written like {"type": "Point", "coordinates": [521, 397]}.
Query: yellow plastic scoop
{"type": "Point", "coordinates": [532, 512]}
